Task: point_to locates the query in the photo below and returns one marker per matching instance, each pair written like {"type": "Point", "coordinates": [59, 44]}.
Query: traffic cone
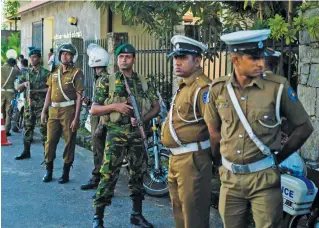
{"type": "Point", "coordinates": [4, 140]}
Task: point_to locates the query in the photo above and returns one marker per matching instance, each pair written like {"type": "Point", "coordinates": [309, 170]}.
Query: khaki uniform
{"type": "Point", "coordinates": [262, 188]}
{"type": "Point", "coordinates": [7, 92]}
{"type": "Point", "coordinates": [60, 118]}
{"type": "Point", "coordinates": [189, 173]}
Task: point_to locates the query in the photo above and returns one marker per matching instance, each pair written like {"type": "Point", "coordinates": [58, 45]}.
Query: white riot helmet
{"type": "Point", "coordinates": [98, 56]}
{"type": "Point", "coordinates": [294, 165]}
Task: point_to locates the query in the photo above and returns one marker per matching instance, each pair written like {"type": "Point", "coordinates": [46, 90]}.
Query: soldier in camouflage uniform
{"type": "Point", "coordinates": [98, 60]}
{"type": "Point", "coordinates": [34, 78]}
{"type": "Point", "coordinates": [111, 100]}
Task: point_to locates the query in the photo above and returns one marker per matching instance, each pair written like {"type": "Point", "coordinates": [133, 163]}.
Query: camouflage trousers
{"type": "Point", "coordinates": [98, 144]}
{"type": "Point", "coordinates": [121, 141]}
{"type": "Point", "coordinates": [31, 118]}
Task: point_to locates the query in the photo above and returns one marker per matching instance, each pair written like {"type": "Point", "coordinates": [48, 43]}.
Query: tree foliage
{"type": "Point", "coordinates": [13, 42]}
{"type": "Point", "coordinates": [159, 17]}
{"type": "Point", "coordinates": [10, 8]}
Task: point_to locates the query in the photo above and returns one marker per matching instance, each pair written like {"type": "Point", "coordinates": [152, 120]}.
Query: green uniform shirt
{"type": "Point", "coordinates": [102, 88]}
{"type": "Point", "coordinates": [258, 102]}
{"type": "Point", "coordinates": [37, 81]}
{"type": "Point", "coordinates": [72, 80]}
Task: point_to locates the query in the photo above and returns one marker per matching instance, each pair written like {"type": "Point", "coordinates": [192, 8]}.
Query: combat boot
{"type": "Point", "coordinates": [92, 183]}
{"type": "Point", "coordinates": [98, 217]}
{"type": "Point", "coordinates": [48, 175]}
{"type": "Point", "coordinates": [26, 152]}
{"type": "Point", "coordinates": [65, 174]}
{"type": "Point", "coordinates": [137, 218]}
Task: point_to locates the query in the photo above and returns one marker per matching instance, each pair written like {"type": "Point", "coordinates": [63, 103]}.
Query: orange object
{"type": "Point", "coordinates": [4, 140]}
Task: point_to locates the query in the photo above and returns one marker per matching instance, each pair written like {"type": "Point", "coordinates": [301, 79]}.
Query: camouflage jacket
{"type": "Point", "coordinates": [38, 80]}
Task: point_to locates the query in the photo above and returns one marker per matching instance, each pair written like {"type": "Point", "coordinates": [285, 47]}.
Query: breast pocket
{"type": "Point", "coordinates": [227, 118]}
{"type": "Point", "coordinates": [263, 121]}
{"type": "Point", "coordinates": [68, 84]}
{"type": "Point", "coordinates": [183, 110]}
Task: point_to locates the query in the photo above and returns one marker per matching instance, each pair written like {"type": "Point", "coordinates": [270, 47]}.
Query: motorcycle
{"type": "Point", "coordinates": [18, 110]}
{"type": "Point", "coordinates": [155, 181]}
{"type": "Point", "coordinates": [299, 186]}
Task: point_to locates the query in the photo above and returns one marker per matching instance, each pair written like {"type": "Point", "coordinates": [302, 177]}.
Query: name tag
{"type": "Point", "coordinates": [221, 103]}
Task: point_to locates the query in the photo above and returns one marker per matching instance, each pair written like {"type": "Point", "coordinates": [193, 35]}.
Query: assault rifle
{"type": "Point", "coordinates": [28, 92]}
{"type": "Point", "coordinates": [137, 116]}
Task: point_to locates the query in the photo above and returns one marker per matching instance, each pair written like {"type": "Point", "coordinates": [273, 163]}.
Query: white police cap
{"type": "Point", "coordinates": [184, 45]}
{"type": "Point", "coordinates": [248, 42]}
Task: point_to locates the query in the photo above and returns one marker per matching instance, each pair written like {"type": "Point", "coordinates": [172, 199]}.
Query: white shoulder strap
{"type": "Point", "coordinates": [262, 147]}
{"type": "Point", "coordinates": [74, 77]}
{"type": "Point", "coordinates": [194, 109]}
{"type": "Point", "coordinates": [170, 122]}
{"type": "Point", "coordinates": [59, 80]}
{"type": "Point", "coordinates": [5, 83]}
{"type": "Point", "coordinates": [278, 118]}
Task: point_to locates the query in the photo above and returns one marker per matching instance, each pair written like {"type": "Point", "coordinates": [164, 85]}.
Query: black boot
{"type": "Point", "coordinates": [26, 152]}
{"type": "Point", "coordinates": [137, 218]}
{"type": "Point", "coordinates": [92, 183]}
{"type": "Point", "coordinates": [48, 175]}
{"type": "Point", "coordinates": [98, 217]}
{"type": "Point", "coordinates": [65, 174]}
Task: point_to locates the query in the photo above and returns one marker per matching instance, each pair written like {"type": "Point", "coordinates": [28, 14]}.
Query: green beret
{"type": "Point", "coordinates": [125, 48]}
{"type": "Point", "coordinates": [35, 51]}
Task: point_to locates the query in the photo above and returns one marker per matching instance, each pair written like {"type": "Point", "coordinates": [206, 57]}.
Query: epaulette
{"type": "Point", "coordinates": [203, 81]}
{"type": "Point", "coordinates": [220, 79]}
{"type": "Point", "coordinates": [274, 78]}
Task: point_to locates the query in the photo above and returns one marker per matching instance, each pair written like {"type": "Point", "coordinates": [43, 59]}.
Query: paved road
{"type": "Point", "coordinates": [29, 203]}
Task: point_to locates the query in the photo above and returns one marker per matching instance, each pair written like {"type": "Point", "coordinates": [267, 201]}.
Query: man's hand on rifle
{"type": "Point", "coordinates": [133, 122]}
{"type": "Point", "coordinates": [124, 108]}
{"type": "Point", "coordinates": [26, 84]}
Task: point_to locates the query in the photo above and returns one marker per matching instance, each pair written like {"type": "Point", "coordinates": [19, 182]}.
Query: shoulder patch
{"type": "Point", "coordinates": [203, 81]}
{"type": "Point", "coordinates": [274, 78]}
{"type": "Point", "coordinates": [292, 95]}
{"type": "Point", "coordinates": [205, 97]}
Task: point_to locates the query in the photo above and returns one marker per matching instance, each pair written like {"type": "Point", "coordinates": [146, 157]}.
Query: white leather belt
{"type": "Point", "coordinates": [8, 90]}
{"type": "Point", "coordinates": [265, 163]}
{"type": "Point", "coordinates": [62, 104]}
{"type": "Point", "coordinates": [191, 147]}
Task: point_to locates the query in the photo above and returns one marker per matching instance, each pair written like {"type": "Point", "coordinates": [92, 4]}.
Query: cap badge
{"type": "Point", "coordinates": [260, 44]}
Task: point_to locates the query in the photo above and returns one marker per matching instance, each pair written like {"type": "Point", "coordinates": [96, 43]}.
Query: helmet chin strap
{"type": "Point", "coordinates": [68, 63]}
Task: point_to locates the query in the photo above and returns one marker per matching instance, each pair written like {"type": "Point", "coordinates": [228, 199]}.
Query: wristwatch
{"type": "Point", "coordinates": [100, 126]}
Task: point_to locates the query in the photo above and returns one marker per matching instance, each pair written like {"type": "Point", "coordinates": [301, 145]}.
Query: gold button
{"type": "Point", "coordinates": [243, 98]}
{"type": "Point", "coordinates": [238, 151]}
{"type": "Point", "coordinates": [197, 78]}
{"type": "Point", "coordinates": [240, 135]}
